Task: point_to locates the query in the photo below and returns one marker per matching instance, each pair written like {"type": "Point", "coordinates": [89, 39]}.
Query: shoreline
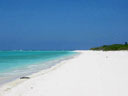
{"type": "Point", "coordinates": [52, 62]}
{"type": "Point", "coordinates": [13, 83]}
{"type": "Point", "coordinates": [27, 64]}
{"type": "Point", "coordinates": [91, 73]}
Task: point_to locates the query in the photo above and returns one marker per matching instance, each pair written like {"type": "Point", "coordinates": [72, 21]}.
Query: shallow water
{"type": "Point", "coordinates": [14, 64]}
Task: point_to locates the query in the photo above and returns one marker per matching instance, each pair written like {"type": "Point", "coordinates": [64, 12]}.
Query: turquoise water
{"type": "Point", "coordinates": [14, 64]}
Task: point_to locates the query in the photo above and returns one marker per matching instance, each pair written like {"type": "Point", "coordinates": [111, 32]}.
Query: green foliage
{"type": "Point", "coordinates": [112, 47]}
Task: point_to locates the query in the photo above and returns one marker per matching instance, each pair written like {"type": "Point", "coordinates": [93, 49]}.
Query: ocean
{"type": "Point", "coordinates": [15, 64]}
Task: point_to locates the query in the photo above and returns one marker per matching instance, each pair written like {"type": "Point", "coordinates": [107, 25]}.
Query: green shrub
{"type": "Point", "coordinates": [112, 47]}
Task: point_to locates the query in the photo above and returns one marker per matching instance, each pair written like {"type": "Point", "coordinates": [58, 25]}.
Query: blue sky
{"type": "Point", "coordinates": [62, 24]}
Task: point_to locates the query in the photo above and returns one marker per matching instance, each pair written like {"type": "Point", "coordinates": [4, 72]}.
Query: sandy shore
{"type": "Point", "coordinates": [92, 73]}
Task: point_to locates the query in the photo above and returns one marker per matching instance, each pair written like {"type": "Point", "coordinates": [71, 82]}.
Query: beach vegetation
{"type": "Point", "coordinates": [112, 47]}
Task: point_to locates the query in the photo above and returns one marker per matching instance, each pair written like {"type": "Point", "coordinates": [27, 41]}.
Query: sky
{"type": "Point", "coordinates": [62, 24]}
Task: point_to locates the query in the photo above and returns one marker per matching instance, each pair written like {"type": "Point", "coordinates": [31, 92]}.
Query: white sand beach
{"type": "Point", "coordinates": [92, 73]}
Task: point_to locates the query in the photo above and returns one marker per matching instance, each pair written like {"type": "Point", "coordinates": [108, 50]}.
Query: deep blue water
{"type": "Point", "coordinates": [19, 63]}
